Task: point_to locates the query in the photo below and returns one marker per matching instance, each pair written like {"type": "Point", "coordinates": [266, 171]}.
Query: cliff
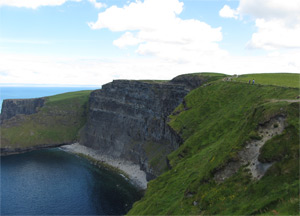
{"type": "Point", "coordinates": [128, 119]}
{"type": "Point", "coordinates": [13, 107]}
{"type": "Point", "coordinates": [29, 124]}
{"type": "Point", "coordinates": [223, 148]}
{"type": "Point", "coordinates": [239, 156]}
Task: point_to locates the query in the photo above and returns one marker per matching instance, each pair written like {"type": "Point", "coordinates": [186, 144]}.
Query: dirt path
{"type": "Point", "coordinates": [285, 100]}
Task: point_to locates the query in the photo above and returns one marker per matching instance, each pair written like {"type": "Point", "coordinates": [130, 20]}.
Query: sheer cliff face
{"type": "Point", "coordinates": [13, 107]}
{"type": "Point", "coordinates": [128, 119]}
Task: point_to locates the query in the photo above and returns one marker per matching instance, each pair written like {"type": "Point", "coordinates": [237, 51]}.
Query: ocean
{"type": "Point", "coordinates": [55, 182]}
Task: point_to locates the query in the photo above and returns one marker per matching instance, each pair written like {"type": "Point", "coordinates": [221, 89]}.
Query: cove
{"type": "Point", "coordinates": [54, 182]}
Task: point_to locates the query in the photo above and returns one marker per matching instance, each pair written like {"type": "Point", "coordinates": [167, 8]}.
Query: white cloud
{"type": "Point", "coordinates": [97, 4]}
{"type": "Point", "coordinates": [34, 69]}
{"type": "Point", "coordinates": [277, 22]}
{"type": "Point", "coordinates": [153, 25]}
{"type": "Point", "coordinates": [33, 4]}
{"type": "Point", "coordinates": [227, 12]}
{"type": "Point", "coordinates": [274, 34]}
{"type": "Point", "coordinates": [270, 9]}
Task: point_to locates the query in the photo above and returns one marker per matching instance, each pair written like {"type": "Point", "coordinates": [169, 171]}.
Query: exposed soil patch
{"type": "Point", "coordinates": [249, 155]}
{"type": "Point", "coordinates": [286, 100]}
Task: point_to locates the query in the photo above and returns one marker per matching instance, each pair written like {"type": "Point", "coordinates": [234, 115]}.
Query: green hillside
{"type": "Point", "coordinates": [216, 122]}
{"type": "Point", "coordinates": [58, 121]}
{"type": "Point", "coordinates": [279, 79]}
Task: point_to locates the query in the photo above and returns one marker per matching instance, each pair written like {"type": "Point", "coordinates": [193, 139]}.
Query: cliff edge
{"type": "Point", "coordinates": [128, 119]}
{"type": "Point", "coordinates": [29, 124]}
{"type": "Point", "coordinates": [13, 107]}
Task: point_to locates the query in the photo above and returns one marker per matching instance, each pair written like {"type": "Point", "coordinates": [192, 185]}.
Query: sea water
{"type": "Point", "coordinates": [55, 182]}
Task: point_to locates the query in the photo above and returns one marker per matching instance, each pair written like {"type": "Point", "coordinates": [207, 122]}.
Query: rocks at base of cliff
{"type": "Point", "coordinates": [13, 107]}
{"type": "Point", "coordinates": [9, 151]}
{"type": "Point", "coordinates": [128, 119]}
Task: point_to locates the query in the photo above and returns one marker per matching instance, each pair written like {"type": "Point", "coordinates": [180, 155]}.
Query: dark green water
{"type": "Point", "coordinates": [54, 182]}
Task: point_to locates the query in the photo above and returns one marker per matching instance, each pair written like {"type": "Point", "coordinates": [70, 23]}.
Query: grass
{"type": "Point", "coordinates": [206, 74]}
{"type": "Point", "coordinates": [57, 122]}
{"type": "Point", "coordinates": [278, 79]}
{"type": "Point", "coordinates": [154, 81]}
{"type": "Point", "coordinates": [215, 124]}
{"type": "Point", "coordinates": [209, 77]}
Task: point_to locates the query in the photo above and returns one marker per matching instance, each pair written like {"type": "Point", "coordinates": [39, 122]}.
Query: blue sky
{"type": "Point", "coordinates": [89, 42]}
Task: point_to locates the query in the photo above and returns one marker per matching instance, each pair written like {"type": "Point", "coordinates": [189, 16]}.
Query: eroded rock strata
{"type": "Point", "coordinates": [128, 119]}
{"type": "Point", "coordinates": [13, 107]}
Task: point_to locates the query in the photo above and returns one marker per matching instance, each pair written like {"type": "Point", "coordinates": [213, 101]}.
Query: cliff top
{"type": "Point", "coordinates": [55, 120]}
{"type": "Point", "coordinates": [218, 123]}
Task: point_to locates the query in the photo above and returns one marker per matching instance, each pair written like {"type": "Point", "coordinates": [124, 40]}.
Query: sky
{"type": "Point", "coordinates": [92, 42]}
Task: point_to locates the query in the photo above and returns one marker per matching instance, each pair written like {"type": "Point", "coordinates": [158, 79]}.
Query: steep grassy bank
{"type": "Point", "coordinates": [216, 122]}
{"type": "Point", "coordinates": [57, 122]}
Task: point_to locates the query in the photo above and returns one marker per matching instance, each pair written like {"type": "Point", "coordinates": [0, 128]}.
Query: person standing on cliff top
{"type": "Point", "coordinates": [253, 82]}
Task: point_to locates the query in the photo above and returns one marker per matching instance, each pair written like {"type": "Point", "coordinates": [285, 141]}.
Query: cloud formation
{"type": "Point", "coordinates": [36, 69]}
{"type": "Point", "coordinates": [155, 28]}
{"type": "Point", "coordinates": [227, 12]}
{"type": "Point", "coordinates": [277, 22]}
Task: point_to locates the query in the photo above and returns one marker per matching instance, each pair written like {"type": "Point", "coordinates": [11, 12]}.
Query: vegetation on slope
{"type": "Point", "coordinates": [57, 122]}
{"type": "Point", "coordinates": [215, 122]}
{"type": "Point", "coordinates": [278, 79]}
{"type": "Point", "coordinates": [210, 76]}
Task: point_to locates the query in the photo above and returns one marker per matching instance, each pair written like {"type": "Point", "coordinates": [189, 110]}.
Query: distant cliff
{"type": "Point", "coordinates": [28, 124]}
{"type": "Point", "coordinates": [13, 107]}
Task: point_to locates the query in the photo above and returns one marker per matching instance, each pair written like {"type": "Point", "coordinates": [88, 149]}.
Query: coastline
{"type": "Point", "coordinates": [11, 151]}
{"type": "Point", "coordinates": [133, 171]}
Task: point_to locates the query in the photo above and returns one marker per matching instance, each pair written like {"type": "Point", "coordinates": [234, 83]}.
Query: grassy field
{"type": "Point", "coordinates": [278, 79]}
{"type": "Point", "coordinates": [57, 122]}
{"type": "Point", "coordinates": [215, 124]}
{"type": "Point", "coordinates": [206, 75]}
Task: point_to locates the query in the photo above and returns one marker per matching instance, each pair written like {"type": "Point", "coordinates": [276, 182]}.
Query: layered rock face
{"type": "Point", "coordinates": [13, 107]}
{"type": "Point", "coordinates": [128, 119]}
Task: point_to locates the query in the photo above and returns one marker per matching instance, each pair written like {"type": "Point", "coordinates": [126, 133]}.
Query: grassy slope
{"type": "Point", "coordinates": [57, 122]}
{"type": "Point", "coordinates": [215, 125]}
{"type": "Point", "coordinates": [281, 79]}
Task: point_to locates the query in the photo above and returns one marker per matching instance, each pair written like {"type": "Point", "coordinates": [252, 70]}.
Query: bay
{"type": "Point", "coordinates": [55, 182]}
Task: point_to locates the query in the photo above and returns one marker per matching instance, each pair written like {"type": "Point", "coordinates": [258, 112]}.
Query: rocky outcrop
{"type": "Point", "coordinates": [250, 154]}
{"type": "Point", "coordinates": [13, 107]}
{"type": "Point", "coordinates": [128, 119]}
{"type": "Point", "coordinates": [190, 81]}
